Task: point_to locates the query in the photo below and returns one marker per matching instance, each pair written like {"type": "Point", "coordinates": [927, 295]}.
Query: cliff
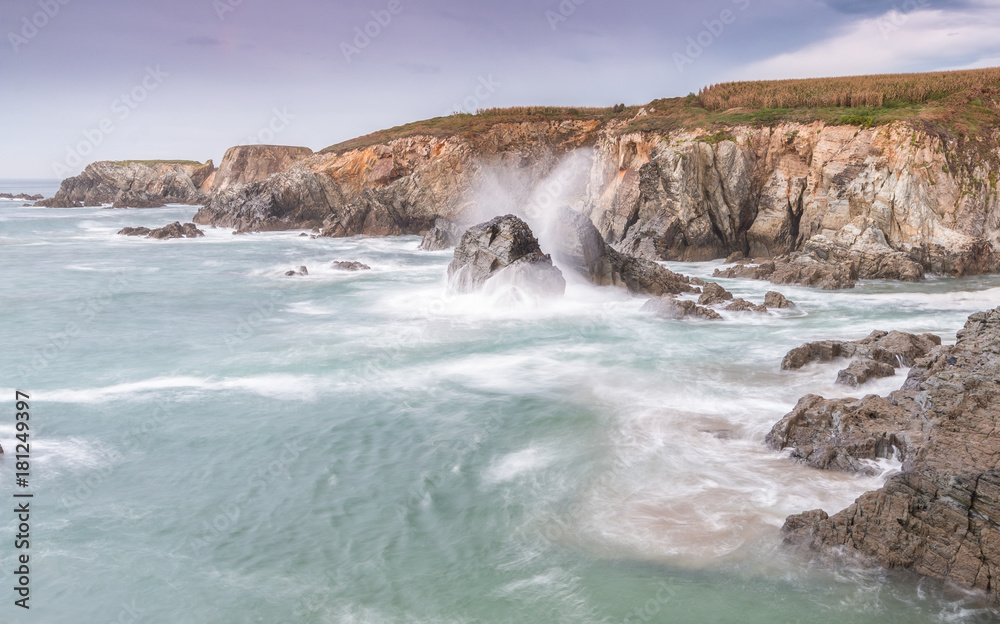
{"type": "Point", "coordinates": [134, 184]}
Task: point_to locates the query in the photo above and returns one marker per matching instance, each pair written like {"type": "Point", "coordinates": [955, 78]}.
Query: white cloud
{"type": "Point", "coordinates": [894, 42]}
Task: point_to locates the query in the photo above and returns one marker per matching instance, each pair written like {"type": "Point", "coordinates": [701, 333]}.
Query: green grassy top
{"type": "Point", "coordinates": [124, 163]}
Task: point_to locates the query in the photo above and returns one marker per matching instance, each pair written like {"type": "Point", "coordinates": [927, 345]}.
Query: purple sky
{"type": "Point", "coordinates": [215, 73]}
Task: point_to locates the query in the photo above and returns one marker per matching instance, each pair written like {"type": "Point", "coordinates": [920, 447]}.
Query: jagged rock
{"type": "Point", "coordinates": [863, 248]}
{"type": "Point", "coordinates": [135, 184]}
{"type": "Point", "coordinates": [444, 235]}
{"type": "Point", "coordinates": [173, 230]}
{"type": "Point", "coordinates": [777, 301]}
{"type": "Point", "coordinates": [939, 516]}
{"type": "Point", "coordinates": [670, 308]}
{"type": "Point", "coordinates": [734, 257]}
{"type": "Point", "coordinates": [742, 305]}
{"type": "Point", "coordinates": [503, 246]}
{"type": "Point", "coordinates": [579, 247]}
{"type": "Point", "coordinates": [862, 371]}
{"type": "Point", "coordinates": [350, 266]}
{"type": "Point", "coordinates": [713, 294]}
{"type": "Point", "coordinates": [894, 348]}
{"type": "Point", "coordinates": [796, 268]}
{"type": "Point", "coordinates": [302, 271]}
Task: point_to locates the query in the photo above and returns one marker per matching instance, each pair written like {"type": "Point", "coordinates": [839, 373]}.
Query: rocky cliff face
{"type": "Point", "coordinates": [941, 515]}
{"type": "Point", "coordinates": [134, 184]}
{"type": "Point", "coordinates": [840, 194]}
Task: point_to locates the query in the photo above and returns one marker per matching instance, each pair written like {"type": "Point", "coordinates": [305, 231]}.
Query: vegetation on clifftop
{"type": "Point", "coordinates": [960, 103]}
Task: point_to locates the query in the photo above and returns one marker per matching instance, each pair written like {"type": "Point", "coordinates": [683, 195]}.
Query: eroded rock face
{"type": "Point", "coordinates": [244, 164]}
{"type": "Point", "coordinates": [674, 309]}
{"type": "Point", "coordinates": [444, 235]}
{"type": "Point", "coordinates": [133, 184]}
{"type": "Point", "coordinates": [941, 515]}
{"type": "Point", "coordinates": [173, 230]}
{"type": "Point", "coordinates": [579, 247]}
{"type": "Point", "coordinates": [503, 249]}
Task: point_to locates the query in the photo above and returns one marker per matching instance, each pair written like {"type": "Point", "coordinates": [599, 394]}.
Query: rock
{"type": "Point", "coordinates": [135, 184]}
{"type": "Point", "coordinates": [670, 308]}
{"type": "Point", "coordinates": [304, 234]}
{"type": "Point", "coordinates": [777, 301]}
{"type": "Point", "coordinates": [893, 348]}
{"type": "Point", "coordinates": [734, 257]}
{"type": "Point", "coordinates": [174, 230]}
{"type": "Point", "coordinates": [444, 235]}
{"type": "Point", "coordinates": [503, 246]}
{"type": "Point", "coordinates": [796, 268]}
{"type": "Point", "coordinates": [302, 271]}
{"type": "Point", "coordinates": [350, 266]}
{"type": "Point", "coordinates": [244, 164]}
{"type": "Point", "coordinates": [21, 196]}
{"type": "Point", "coordinates": [579, 247]}
{"type": "Point", "coordinates": [862, 371]}
{"type": "Point", "coordinates": [713, 294]}
{"type": "Point", "coordinates": [742, 305]}
{"type": "Point", "coordinates": [863, 248]}
{"type": "Point", "coordinates": [938, 517]}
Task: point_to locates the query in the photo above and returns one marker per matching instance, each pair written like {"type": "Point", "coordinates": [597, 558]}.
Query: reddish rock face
{"type": "Point", "coordinates": [941, 516]}
{"type": "Point", "coordinates": [244, 164]}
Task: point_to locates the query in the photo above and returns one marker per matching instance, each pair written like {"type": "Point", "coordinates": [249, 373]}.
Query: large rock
{"type": "Point", "coordinates": [579, 247]}
{"type": "Point", "coordinates": [895, 348]}
{"type": "Point", "coordinates": [940, 516]}
{"type": "Point", "coordinates": [504, 251]}
{"type": "Point", "coordinates": [244, 164]}
{"type": "Point", "coordinates": [134, 184]}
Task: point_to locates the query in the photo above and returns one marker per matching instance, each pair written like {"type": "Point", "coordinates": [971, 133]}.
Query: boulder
{"type": "Point", "coordinates": [503, 250]}
{"type": "Point", "coordinates": [444, 235]}
{"type": "Point", "coordinates": [742, 305]}
{"type": "Point", "coordinates": [940, 516]}
{"type": "Point", "coordinates": [894, 348]}
{"type": "Point", "coordinates": [671, 308]}
{"type": "Point", "coordinates": [350, 266]}
{"type": "Point", "coordinates": [775, 300]}
{"type": "Point", "coordinates": [580, 248]}
{"type": "Point", "coordinates": [862, 371]}
{"type": "Point", "coordinates": [302, 271]}
{"type": "Point", "coordinates": [713, 294]}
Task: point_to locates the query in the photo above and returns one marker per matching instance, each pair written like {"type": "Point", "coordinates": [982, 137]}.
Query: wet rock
{"type": "Point", "coordinates": [713, 294]}
{"type": "Point", "coordinates": [350, 266]}
{"type": "Point", "coordinates": [939, 516]}
{"type": "Point", "coordinates": [796, 268]}
{"type": "Point", "coordinates": [734, 257]}
{"type": "Point", "coordinates": [894, 348]}
{"type": "Point", "coordinates": [777, 301]}
{"type": "Point", "coordinates": [305, 235]}
{"type": "Point", "coordinates": [302, 271]}
{"type": "Point", "coordinates": [742, 305]}
{"type": "Point", "coordinates": [579, 247]}
{"type": "Point", "coordinates": [863, 371]}
{"type": "Point", "coordinates": [444, 235]}
{"type": "Point", "coordinates": [173, 230]}
{"type": "Point", "coordinates": [670, 308]}
{"type": "Point", "coordinates": [503, 246]}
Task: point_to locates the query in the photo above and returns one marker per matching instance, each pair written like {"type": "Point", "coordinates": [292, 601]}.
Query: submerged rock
{"type": "Point", "coordinates": [350, 266]}
{"type": "Point", "coordinates": [444, 235]}
{"type": "Point", "coordinates": [877, 354]}
{"type": "Point", "coordinates": [503, 249]}
{"type": "Point", "coordinates": [579, 247]}
{"type": "Point", "coordinates": [742, 305]}
{"type": "Point", "coordinates": [302, 271]}
{"type": "Point", "coordinates": [713, 294]}
{"type": "Point", "coordinates": [671, 308]}
{"type": "Point", "coordinates": [939, 516]}
{"type": "Point", "coordinates": [174, 230]}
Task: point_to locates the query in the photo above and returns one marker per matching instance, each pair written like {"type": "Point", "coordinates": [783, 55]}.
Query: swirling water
{"type": "Point", "coordinates": [216, 442]}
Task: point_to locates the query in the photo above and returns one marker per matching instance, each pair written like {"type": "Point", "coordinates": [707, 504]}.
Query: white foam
{"type": "Point", "coordinates": [278, 386]}
{"type": "Point", "coordinates": [509, 467]}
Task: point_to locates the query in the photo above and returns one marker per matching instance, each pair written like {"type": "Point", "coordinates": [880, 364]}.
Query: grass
{"type": "Point", "coordinates": [960, 104]}
{"type": "Point", "coordinates": [158, 162]}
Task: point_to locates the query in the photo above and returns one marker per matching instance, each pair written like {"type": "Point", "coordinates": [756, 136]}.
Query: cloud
{"type": "Point", "coordinates": [203, 41]}
{"type": "Point", "coordinates": [879, 7]}
{"type": "Point", "coordinates": [891, 42]}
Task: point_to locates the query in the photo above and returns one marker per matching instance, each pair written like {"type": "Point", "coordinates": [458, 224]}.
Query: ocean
{"type": "Point", "coordinates": [212, 441]}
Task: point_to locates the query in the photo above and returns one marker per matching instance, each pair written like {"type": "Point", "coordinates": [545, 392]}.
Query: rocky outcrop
{"type": "Point", "coordinates": [300, 272]}
{"type": "Point", "coordinates": [777, 301]}
{"type": "Point", "coordinates": [877, 355]}
{"type": "Point", "coordinates": [350, 266]}
{"type": "Point", "coordinates": [675, 309]}
{"type": "Point", "coordinates": [713, 294]}
{"type": "Point", "coordinates": [444, 235]}
{"type": "Point", "coordinates": [134, 184]}
{"type": "Point", "coordinates": [505, 252]}
{"type": "Point", "coordinates": [579, 247]}
{"type": "Point", "coordinates": [173, 230]}
{"type": "Point", "coordinates": [23, 196]}
{"type": "Point", "coordinates": [940, 516]}
{"type": "Point", "coordinates": [244, 164]}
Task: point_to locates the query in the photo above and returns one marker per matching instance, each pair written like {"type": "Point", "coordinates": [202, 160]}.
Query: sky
{"type": "Point", "coordinates": [86, 80]}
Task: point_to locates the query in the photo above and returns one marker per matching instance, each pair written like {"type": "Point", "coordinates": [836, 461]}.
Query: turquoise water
{"type": "Point", "coordinates": [215, 442]}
